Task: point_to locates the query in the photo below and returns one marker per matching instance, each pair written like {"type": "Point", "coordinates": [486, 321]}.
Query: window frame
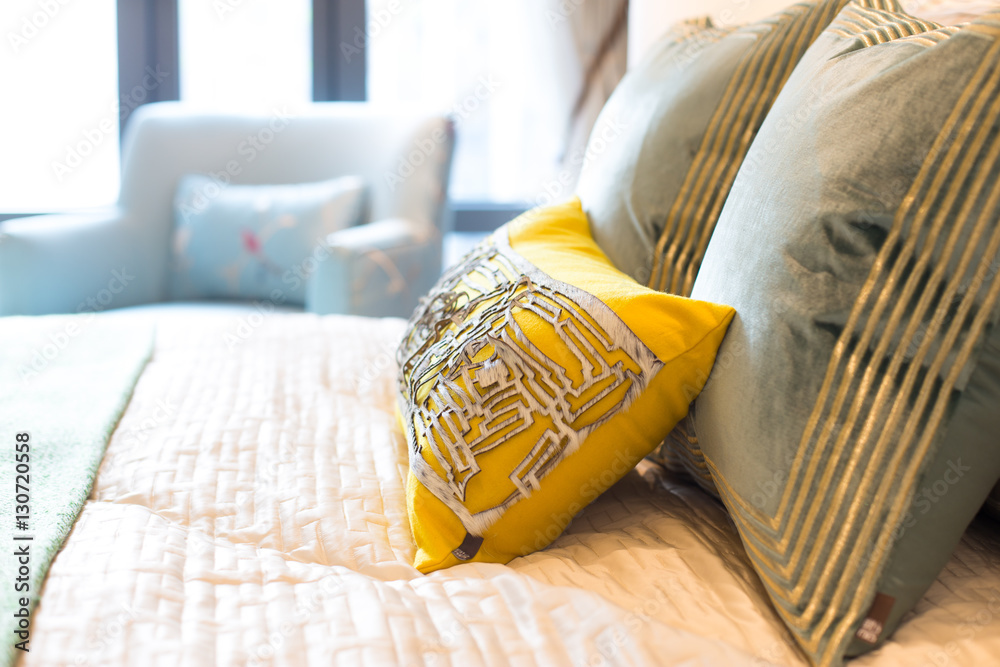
{"type": "Point", "coordinates": [337, 77]}
{"type": "Point", "coordinates": [148, 46]}
{"type": "Point", "coordinates": [148, 42]}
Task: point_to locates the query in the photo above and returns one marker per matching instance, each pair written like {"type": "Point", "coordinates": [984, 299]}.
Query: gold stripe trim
{"type": "Point", "coordinates": [936, 168]}
{"type": "Point", "coordinates": [820, 452]}
{"type": "Point", "coordinates": [867, 292]}
{"type": "Point", "coordinates": [730, 127]}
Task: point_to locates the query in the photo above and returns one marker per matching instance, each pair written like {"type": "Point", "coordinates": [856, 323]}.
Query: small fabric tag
{"type": "Point", "coordinates": [469, 547]}
{"type": "Point", "coordinates": [871, 629]}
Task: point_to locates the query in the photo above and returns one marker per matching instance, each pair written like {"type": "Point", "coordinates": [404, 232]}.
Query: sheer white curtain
{"type": "Point", "coordinates": [600, 35]}
{"type": "Point", "coordinates": [61, 108]}
{"type": "Point", "coordinates": [509, 70]}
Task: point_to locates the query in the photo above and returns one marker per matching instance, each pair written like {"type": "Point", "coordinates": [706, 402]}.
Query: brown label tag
{"type": "Point", "coordinates": [873, 625]}
{"type": "Point", "coordinates": [469, 547]}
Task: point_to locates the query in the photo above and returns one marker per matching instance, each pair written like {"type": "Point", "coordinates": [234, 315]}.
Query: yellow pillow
{"type": "Point", "coordinates": [534, 376]}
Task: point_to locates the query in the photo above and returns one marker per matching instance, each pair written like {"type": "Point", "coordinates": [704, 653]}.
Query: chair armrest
{"type": "Point", "coordinates": [380, 269]}
{"type": "Point", "coordinates": [65, 263]}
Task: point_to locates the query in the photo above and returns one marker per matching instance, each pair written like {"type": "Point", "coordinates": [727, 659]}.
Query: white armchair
{"type": "Point", "coordinates": [120, 256]}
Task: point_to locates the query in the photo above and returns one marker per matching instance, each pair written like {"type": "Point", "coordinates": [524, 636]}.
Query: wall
{"type": "Point", "coordinates": [648, 19]}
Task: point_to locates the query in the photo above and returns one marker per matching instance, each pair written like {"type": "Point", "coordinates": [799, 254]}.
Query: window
{"type": "Point", "coordinates": [483, 62]}
{"type": "Point", "coordinates": [60, 116]}
{"type": "Point", "coordinates": [524, 80]}
{"type": "Point", "coordinates": [248, 56]}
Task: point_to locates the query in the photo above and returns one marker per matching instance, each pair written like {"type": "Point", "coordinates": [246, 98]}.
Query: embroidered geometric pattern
{"type": "Point", "coordinates": [471, 380]}
{"type": "Point", "coordinates": [750, 93]}
{"type": "Point", "coordinates": [904, 353]}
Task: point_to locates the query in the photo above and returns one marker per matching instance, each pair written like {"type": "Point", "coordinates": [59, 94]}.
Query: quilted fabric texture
{"type": "Point", "coordinates": [850, 424]}
{"type": "Point", "coordinates": [250, 510]}
{"type": "Point", "coordinates": [533, 377]}
{"type": "Point", "coordinates": [256, 241]}
{"type": "Point", "coordinates": [668, 143]}
{"type": "Point", "coordinates": [64, 384]}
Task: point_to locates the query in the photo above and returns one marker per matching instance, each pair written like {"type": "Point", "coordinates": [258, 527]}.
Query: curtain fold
{"type": "Point", "coordinates": [524, 80]}
{"type": "Point", "coordinates": [600, 32]}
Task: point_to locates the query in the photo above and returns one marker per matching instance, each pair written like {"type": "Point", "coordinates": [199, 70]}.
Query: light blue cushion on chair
{"type": "Point", "coordinates": [256, 241]}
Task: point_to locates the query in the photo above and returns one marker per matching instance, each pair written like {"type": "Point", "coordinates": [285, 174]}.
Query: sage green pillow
{"type": "Point", "coordinates": [850, 423]}
{"type": "Point", "coordinates": [668, 143]}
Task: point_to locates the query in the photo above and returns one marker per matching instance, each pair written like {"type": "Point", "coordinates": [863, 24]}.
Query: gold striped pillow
{"type": "Point", "coordinates": [850, 424]}
{"type": "Point", "coordinates": [667, 145]}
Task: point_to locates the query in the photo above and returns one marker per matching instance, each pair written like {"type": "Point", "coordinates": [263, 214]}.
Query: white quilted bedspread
{"type": "Point", "coordinates": [250, 511]}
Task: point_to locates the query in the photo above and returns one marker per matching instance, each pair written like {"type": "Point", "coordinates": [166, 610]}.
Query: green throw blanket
{"type": "Point", "coordinates": [64, 381]}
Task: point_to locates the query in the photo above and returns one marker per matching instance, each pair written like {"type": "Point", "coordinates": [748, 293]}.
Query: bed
{"type": "Point", "coordinates": [250, 510]}
{"type": "Point", "coordinates": [239, 492]}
